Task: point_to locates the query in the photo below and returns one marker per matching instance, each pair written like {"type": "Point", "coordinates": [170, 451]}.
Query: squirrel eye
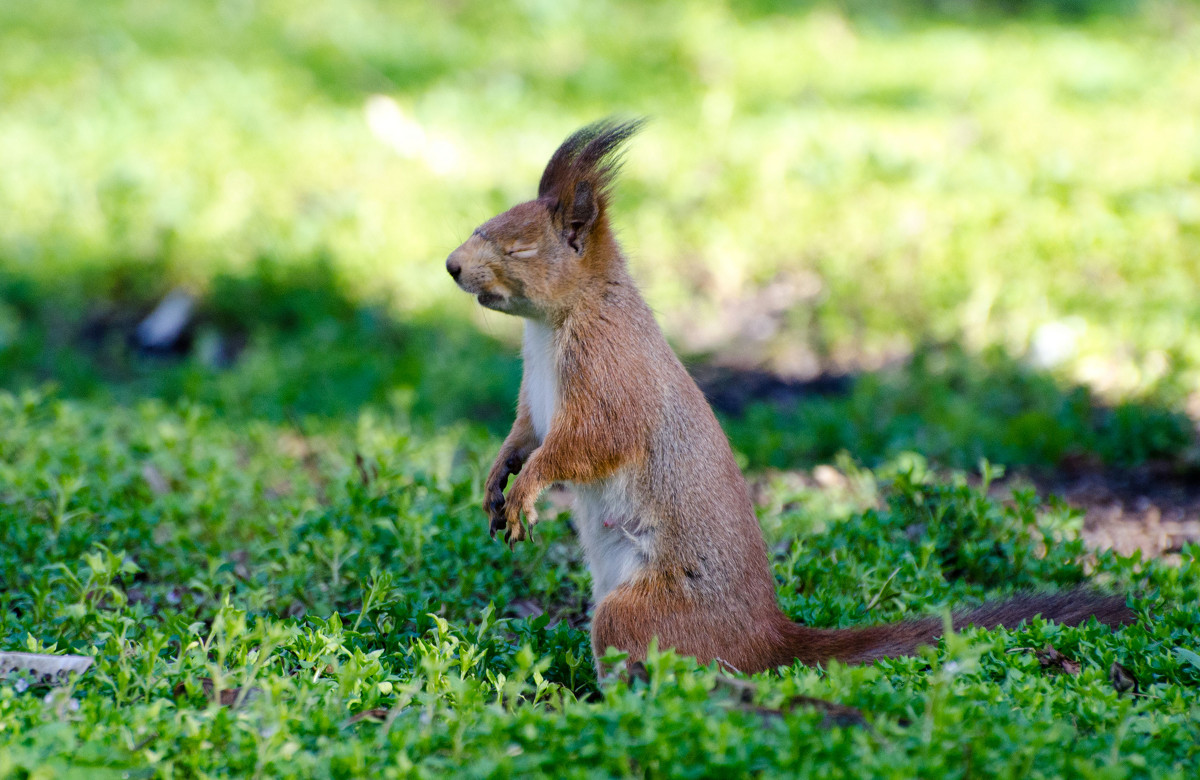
{"type": "Point", "coordinates": [522, 252]}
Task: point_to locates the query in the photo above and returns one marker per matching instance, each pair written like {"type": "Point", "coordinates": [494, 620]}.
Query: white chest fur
{"type": "Point", "coordinates": [541, 375]}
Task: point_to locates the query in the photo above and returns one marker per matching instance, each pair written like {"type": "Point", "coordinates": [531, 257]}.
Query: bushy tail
{"type": "Point", "coordinates": [863, 645]}
{"type": "Point", "coordinates": [1070, 608]}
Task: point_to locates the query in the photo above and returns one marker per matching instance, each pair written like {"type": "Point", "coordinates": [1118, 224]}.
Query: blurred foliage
{"type": "Point", "coordinates": [906, 180]}
{"type": "Point", "coordinates": [979, 11]}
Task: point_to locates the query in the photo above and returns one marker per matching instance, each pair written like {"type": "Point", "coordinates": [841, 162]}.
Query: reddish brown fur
{"type": "Point", "coordinates": [628, 419]}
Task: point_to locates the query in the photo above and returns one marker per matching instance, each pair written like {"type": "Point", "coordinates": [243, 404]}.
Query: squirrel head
{"type": "Point", "coordinates": [533, 259]}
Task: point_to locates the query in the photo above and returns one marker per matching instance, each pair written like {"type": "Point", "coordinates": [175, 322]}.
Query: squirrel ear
{"type": "Point", "coordinates": [581, 216]}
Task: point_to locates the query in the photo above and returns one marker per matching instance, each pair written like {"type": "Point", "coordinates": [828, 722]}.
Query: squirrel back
{"type": "Point", "coordinates": [663, 512]}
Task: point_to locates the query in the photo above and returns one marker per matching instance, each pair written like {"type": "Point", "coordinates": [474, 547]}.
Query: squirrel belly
{"type": "Point", "coordinates": [618, 541]}
{"type": "Point", "coordinates": [663, 513]}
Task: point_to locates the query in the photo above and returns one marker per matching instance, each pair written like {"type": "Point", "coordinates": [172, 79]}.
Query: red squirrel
{"type": "Point", "coordinates": [662, 510]}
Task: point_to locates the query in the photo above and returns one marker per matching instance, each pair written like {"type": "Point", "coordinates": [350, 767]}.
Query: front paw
{"type": "Point", "coordinates": [515, 530]}
{"type": "Point", "coordinates": [493, 506]}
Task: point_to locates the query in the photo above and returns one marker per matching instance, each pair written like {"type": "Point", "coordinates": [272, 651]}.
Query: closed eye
{"type": "Point", "coordinates": [522, 252]}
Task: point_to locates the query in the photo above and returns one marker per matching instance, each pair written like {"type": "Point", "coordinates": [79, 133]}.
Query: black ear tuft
{"type": "Point", "coordinates": [590, 153]}
{"type": "Point", "coordinates": [578, 177]}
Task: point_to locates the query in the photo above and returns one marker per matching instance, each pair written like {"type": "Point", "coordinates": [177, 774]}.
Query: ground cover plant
{"type": "Point", "coordinates": [336, 583]}
{"type": "Point", "coordinates": [975, 226]}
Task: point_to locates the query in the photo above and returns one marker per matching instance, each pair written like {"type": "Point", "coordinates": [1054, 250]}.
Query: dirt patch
{"type": "Point", "coordinates": [1154, 508]}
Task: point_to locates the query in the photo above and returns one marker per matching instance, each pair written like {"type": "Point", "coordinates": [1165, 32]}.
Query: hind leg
{"type": "Point", "coordinates": [635, 613]}
{"type": "Point", "coordinates": [621, 622]}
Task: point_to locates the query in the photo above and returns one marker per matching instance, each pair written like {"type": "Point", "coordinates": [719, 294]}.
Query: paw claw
{"type": "Point", "coordinates": [493, 507]}
{"type": "Point", "coordinates": [514, 532]}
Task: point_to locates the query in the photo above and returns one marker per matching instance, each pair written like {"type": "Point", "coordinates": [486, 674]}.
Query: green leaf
{"type": "Point", "coordinates": [1188, 656]}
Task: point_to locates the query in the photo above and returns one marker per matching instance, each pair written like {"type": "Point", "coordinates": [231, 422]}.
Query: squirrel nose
{"type": "Point", "coordinates": [454, 268]}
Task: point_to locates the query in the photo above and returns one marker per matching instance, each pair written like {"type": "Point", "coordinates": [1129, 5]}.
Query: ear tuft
{"type": "Point", "coordinates": [580, 174]}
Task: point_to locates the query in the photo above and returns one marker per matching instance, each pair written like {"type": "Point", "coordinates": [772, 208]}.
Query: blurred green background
{"type": "Point", "coordinates": [984, 215]}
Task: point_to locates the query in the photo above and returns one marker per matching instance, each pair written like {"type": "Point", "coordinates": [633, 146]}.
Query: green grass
{"type": "Point", "coordinates": [913, 196]}
{"type": "Point", "coordinates": [176, 546]}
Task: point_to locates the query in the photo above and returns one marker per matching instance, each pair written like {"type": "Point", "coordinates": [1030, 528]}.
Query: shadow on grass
{"type": "Point", "coordinates": [954, 408]}
{"type": "Point", "coordinates": [281, 342]}
{"type": "Point", "coordinates": [285, 342]}
{"type": "Point", "coordinates": [981, 12]}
